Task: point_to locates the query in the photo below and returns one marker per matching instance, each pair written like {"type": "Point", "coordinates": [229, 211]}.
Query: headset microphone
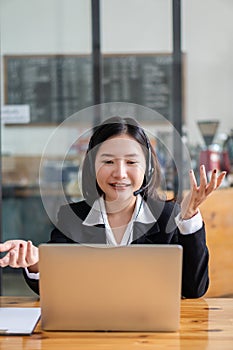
{"type": "Point", "coordinates": [135, 193]}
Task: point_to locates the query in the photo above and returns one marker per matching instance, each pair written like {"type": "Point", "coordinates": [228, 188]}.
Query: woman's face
{"type": "Point", "coordinates": [120, 167]}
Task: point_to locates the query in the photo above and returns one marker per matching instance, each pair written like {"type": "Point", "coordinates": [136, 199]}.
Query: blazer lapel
{"type": "Point", "coordinates": [142, 232]}
{"type": "Point", "coordinates": [93, 234]}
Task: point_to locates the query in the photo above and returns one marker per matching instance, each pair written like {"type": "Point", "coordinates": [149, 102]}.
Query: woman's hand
{"type": "Point", "coordinates": [19, 253]}
{"type": "Point", "coordinates": [198, 194]}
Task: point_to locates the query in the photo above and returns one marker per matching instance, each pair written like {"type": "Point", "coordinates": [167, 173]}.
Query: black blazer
{"type": "Point", "coordinates": [195, 279]}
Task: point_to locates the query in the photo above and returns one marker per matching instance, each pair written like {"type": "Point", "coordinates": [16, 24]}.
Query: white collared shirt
{"type": "Point", "coordinates": [98, 215]}
{"type": "Point", "coordinates": [143, 214]}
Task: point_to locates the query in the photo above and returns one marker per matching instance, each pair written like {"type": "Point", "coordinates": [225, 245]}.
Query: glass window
{"type": "Point", "coordinates": [46, 77]}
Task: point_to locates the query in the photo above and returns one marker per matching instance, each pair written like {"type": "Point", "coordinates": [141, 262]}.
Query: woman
{"type": "Point", "coordinates": [120, 179]}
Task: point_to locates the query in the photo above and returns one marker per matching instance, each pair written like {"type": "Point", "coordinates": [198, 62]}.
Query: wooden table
{"type": "Point", "coordinates": [205, 324]}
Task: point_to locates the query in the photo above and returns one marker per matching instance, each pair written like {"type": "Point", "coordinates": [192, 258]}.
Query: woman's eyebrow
{"type": "Point", "coordinates": [131, 155]}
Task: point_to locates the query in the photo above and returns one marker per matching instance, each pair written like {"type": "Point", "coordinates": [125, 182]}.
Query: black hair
{"type": "Point", "coordinates": [112, 127]}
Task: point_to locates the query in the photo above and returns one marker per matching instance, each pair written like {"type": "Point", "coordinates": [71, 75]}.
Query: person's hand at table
{"type": "Point", "coordinates": [19, 253]}
{"type": "Point", "coordinates": [198, 194]}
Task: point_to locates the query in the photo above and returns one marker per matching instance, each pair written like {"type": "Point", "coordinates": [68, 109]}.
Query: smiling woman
{"type": "Point", "coordinates": [121, 206]}
{"type": "Point", "coordinates": [130, 150]}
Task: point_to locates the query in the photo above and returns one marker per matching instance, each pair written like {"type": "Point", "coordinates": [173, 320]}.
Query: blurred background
{"type": "Point", "coordinates": [61, 56]}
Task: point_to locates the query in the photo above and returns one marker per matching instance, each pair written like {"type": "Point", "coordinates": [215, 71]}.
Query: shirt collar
{"type": "Point", "coordinates": [142, 213]}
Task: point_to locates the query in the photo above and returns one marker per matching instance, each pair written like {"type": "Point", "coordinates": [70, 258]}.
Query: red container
{"type": "Point", "coordinates": [211, 160]}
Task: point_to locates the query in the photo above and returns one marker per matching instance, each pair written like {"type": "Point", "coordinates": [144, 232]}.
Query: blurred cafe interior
{"type": "Point", "coordinates": [61, 57]}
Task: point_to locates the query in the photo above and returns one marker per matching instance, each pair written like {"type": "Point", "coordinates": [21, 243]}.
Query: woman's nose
{"type": "Point", "coordinates": [120, 170]}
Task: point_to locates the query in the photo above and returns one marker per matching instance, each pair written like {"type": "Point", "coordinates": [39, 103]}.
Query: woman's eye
{"type": "Point", "coordinates": [108, 162]}
{"type": "Point", "coordinates": [130, 162]}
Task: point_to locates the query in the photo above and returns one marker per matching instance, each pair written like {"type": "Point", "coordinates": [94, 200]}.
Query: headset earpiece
{"type": "Point", "coordinates": [150, 168]}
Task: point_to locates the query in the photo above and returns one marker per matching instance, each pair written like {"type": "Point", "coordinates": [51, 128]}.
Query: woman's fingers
{"type": "Point", "coordinates": [213, 182]}
{"type": "Point", "coordinates": [198, 194]}
{"type": "Point", "coordinates": [203, 177]}
{"type": "Point", "coordinates": [220, 178]}
{"type": "Point", "coordinates": [6, 246]}
{"type": "Point", "coordinates": [19, 254]}
{"type": "Point", "coordinates": [21, 261]}
{"type": "Point", "coordinates": [26, 256]}
{"type": "Point", "coordinates": [203, 181]}
{"type": "Point", "coordinates": [206, 188]}
{"type": "Point", "coordinates": [32, 254]}
{"type": "Point", "coordinates": [193, 181]}
{"type": "Point", "coordinates": [5, 260]}
{"type": "Point", "coordinates": [13, 258]}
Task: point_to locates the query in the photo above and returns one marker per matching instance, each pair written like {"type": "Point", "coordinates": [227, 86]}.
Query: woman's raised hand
{"type": "Point", "coordinates": [198, 194]}
{"type": "Point", "coordinates": [19, 253]}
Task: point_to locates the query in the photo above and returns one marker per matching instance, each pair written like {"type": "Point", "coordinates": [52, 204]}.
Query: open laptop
{"type": "Point", "coordinates": [92, 288]}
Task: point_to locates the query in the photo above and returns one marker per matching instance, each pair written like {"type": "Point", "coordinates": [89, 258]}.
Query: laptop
{"type": "Point", "coordinates": [97, 288]}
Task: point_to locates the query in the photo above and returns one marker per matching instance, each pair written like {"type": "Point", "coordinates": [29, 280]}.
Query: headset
{"type": "Point", "coordinates": [150, 168]}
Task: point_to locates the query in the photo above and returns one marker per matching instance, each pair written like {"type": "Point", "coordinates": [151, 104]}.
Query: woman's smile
{"type": "Point", "coordinates": [120, 186]}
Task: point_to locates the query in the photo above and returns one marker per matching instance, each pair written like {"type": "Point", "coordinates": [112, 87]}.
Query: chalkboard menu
{"type": "Point", "coordinates": [56, 86]}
